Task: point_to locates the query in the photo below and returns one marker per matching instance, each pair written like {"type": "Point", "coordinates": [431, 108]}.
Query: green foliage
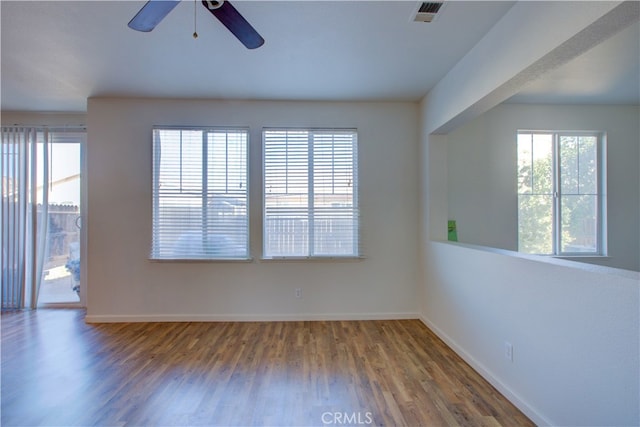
{"type": "Point", "coordinates": [535, 211]}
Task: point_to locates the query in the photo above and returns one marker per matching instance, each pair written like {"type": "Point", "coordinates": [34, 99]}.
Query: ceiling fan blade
{"type": "Point", "coordinates": [151, 14]}
{"type": "Point", "coordinates": [231, 18]}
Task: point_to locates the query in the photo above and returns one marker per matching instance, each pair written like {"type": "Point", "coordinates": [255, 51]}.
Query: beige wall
{"type": "Point", "coordinates": [124, 285]}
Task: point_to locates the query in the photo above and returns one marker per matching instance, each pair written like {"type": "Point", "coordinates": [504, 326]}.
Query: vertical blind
{"type": "Point", "coordinates": [200, 194]}
{"type": "Point", "coordinates": [310, 193]}
{"type": "Point", "coordinates": [24, 173]}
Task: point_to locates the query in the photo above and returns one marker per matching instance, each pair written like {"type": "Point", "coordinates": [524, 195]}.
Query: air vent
{"type": "Point", "coordinates": [427, 11]}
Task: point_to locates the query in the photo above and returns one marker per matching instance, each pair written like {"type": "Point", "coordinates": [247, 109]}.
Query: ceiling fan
{"type": "Point", "coordinates": [154, 11]}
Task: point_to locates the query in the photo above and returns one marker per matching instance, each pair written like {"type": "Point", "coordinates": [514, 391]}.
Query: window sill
{"type": "Point", "coordinates": [313, 259]}
{"type": "Point", "coordinates": [199, 260]}
{"type": "Point", "coordinates": [570, 257]}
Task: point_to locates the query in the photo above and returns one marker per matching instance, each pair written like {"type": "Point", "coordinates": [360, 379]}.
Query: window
{"type": "Point", "coordinates": [310, 193]}
{"type": "Point", "coordinates": [200, 194]}
{"type": "Point", "coordinates": [560, 199]}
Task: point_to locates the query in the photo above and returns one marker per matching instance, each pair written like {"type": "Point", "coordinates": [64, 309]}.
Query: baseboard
{"type": "Point", "coordinates": [513, 397]}
{"type": "Point", "coordinates": [124, 318]}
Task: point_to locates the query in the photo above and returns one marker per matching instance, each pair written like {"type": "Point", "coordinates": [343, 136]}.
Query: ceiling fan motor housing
{"type": "Point", "coordinates": [214, 4]}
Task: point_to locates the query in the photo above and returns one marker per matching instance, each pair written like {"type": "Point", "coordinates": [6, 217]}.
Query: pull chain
{"type": "Point", "coordinates": [195, 23]}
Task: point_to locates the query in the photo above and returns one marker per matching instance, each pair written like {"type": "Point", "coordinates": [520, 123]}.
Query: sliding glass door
{"type": "Point", "coordinates": [61, 272]}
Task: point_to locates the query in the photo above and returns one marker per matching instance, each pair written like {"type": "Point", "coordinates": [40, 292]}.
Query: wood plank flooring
{"type": "Point", "coordinates": [59, 371]}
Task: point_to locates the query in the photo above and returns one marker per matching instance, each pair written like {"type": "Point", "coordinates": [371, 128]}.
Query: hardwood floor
{"type": "Point", "coordinates": [59, 371]}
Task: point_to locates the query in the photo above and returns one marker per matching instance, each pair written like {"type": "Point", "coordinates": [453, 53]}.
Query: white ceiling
{"type": "Point", "coordinates": [54, 55]}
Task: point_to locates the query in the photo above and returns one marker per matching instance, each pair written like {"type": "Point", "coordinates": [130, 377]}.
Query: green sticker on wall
{"type": "Point", "coordinates": [453, 231]}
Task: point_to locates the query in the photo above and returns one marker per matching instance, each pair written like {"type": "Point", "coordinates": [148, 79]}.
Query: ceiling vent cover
{"type": "Point", "coordinates": [427, 11]}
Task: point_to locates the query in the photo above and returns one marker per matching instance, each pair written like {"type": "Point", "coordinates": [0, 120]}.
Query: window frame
{"type": "Point", "coordinates": [356, 216]}
{"type": "Point", "coordinates": [556, 196]}
{"type": "Point", "coordinates": [155, 253]}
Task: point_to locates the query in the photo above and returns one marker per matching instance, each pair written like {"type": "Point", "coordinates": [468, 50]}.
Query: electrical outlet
{"type": "Point", "coordinates": [298, 292]}
{"type": "Point", "coordinates": [508, 351]}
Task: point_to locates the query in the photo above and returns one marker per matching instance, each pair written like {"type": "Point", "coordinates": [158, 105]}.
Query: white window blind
{"type": "Point", "coordinates": [310, 193]}
{"type": "Point", "coordinates": [200, 194]}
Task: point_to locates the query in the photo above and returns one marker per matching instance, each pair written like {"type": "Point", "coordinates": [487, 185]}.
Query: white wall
{"type": "Point", "coordinates": [481, 181]}
{"type": "Point", "coordinates": [574, 327]}
{"type": "Point", "coordinates": [124, 285]}
{"type": "Point", "coordinates": [574, 332]}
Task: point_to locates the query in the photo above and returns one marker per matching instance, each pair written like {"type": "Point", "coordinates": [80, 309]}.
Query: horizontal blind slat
{"type": "Point", "coordinates": [297, 223]}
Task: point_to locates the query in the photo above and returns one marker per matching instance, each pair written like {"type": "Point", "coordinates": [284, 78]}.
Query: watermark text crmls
{"type": "Point", "coordinates": [347, 418]}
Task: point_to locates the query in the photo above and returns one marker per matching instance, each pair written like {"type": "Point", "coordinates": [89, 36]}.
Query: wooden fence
{"type": "Point", "coordinates": [63, 230]}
